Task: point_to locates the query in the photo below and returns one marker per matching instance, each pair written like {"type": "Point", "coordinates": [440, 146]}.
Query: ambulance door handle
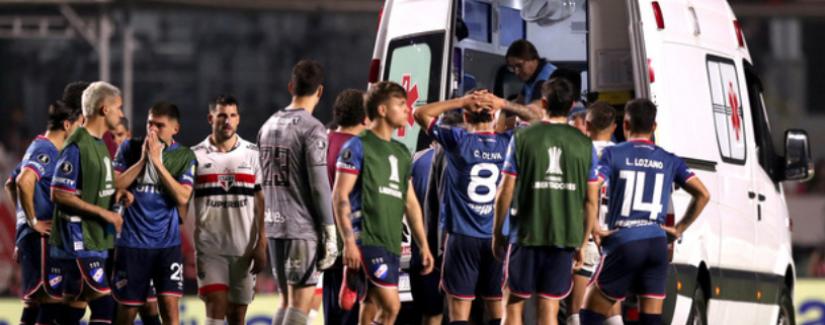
{"type": "Point", "coordinates": [751, 195]}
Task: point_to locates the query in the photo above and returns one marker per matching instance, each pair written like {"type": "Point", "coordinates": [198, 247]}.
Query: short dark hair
{"type": "Point", "coordinates": [482, 116]}
{"type": "Point", "coordinates": [380, 93]}
{"type": "Point", "coordinates": [641, 114]}
{"type": "Point", "coordinates": [307, 76]}
{"type": "Point", "coordinates": [348, 109]}
{"type": "Point", "coordinates": [223, 100]}
{"type": "Point", "coordinates": [602, 115]}
{"type": "Point", "coordinates": [60, 112]}
{"type": "Point", "coordinates": [573, 76]}
{"type": "Point", "coordinates": [125, 122]}
{"type": "Point", "coordinates": [167, 109]}
{"type": "Point", "coordinates": [522, 49]}
{"type": "Point", "coordinates": [559, 96]}
{"type": "Point", "coordinates": [73, 94]}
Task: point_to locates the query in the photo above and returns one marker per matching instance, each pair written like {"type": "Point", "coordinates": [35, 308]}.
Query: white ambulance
{"type": "Point", "coordinates": [734, 265]}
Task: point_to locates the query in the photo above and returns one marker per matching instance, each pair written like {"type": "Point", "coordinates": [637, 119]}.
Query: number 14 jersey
{"type": "Point", "coordinates": [640, 178]}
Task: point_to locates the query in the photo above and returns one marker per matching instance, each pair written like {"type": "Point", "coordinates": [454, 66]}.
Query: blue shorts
{"type": "Point", "coordinates": [83, 278]}
{"type": "Point", "coordinates": [639, 266]}
{"type": "Point", "coordinates": [544, 270]}
{"type": "Point", "coordinates": [470, 268]}
{"type": "Point", "coordinates": [137, 271]}
{"type": "Point", "coordinates": [381, 266]}
{"type": "Point", "coordinates": [35, 263]}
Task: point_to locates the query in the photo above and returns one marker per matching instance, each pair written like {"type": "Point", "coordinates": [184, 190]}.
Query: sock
{"type": "Point", "coordinates": [496, 321]}
{"type": "Point", "coordinates": [650, 319]}
{"type": "Point", "coordinates": [48, 313]}
{"type": "Point", "coordinates": [212, 321]}
{"type": "Point", "coordinates": [459, 322]}
{"type": "Point", "coordinates": [376, 323]}
{"type": "Point", "coordinates": [150, 319]}
{"type": "Point", "coordinates": [278, 319]}
{"type": "Point", "coordinates": [295, 317]}
{"type": "Point", "coordinates": [313, 314]}
{"type": "Point", "coordinates": [71, 316]}
{"type": "Point", "coordinates": [589, 317]}
{"type": "Point", "coordinates": [103, 311]}
{"type": "Point", "coordinates": [614, 320]}
{"type": "Point", "coordinates": [573, 320]}
{"type": "Point", "coordinates": [29, 315]}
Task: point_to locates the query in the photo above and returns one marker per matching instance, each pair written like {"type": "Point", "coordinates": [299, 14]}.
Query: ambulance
{"type": "Point", "coordinates": [734, 265]}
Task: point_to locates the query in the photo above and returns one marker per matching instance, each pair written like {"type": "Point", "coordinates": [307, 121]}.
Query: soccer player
{"type": "Point", "coordinates": [350, 116]}
{"type": "Point", "coordinates": [548, 165]}
{"type": "Point", "coordinates": [83, 191]}
{"type": "Point", "coordinates": [121, 133]}
{"type": "Point", "coordinates": [159, 172]}
{"type": "Point", "coordinates": [299, 223]}
{"type": "Point", "coordinates": [372, 193]}
{"type": "Point", "coordinates": [28, 187]}
{"type": "Point", "coordinates": [474, 159]}
{"type": "Point", "coordinates": [601, 123]}
{"type": "Point", "coordinates": [230, 242]}
{"type": "Point", "coordinates": [636, 247]}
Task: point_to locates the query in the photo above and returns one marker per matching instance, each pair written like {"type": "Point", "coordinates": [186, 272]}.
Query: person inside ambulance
{"type": "Point", "coordinates": [523, 60]}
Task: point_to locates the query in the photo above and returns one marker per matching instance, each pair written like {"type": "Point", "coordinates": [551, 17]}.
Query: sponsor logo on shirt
{"type": "Point", "coordinates": [226, 204]}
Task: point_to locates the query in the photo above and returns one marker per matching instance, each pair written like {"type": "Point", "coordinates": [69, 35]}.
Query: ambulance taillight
{"type": "Point", "coordinates": [657, 11]}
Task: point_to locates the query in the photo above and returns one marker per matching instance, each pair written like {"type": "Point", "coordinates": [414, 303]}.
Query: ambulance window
{"type": "Point", "coordinates": [477, 18]}
{"type": "Point", "coordinates": [415, 63]}
{"type": "Point", "coordinates": [768, 159]}
{"type": "Point", "coordinates": [510, 25]}
{"type": "Point", "coordinates": [728, 118]}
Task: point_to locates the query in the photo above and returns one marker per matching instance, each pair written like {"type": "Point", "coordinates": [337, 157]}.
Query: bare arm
{"type": "Point", "coordinates": [412, 210]}
{"type": "Point", "coordinates": [26, 182]}
{"type": "Point", "coordinates": [344, 183]}
{"type": "Point", "coordinates": [504, 199]}
{"type": "Point", "coordinates": [591, 209]}
{"type": "Point", "coordinates": [125, 179]}
{"type": "Point", "coordinates": [426, 114]}
{"type": "Point", "coordinates": [74, 202]}
{"type": "Point", "coordinates": [180, 192]}
{"type": "Point", "coordinates": [700, 199]}
{"type": "Point", "coordinates": [524, 113]}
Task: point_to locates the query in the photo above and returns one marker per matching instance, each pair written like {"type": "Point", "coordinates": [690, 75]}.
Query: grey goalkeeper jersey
{"type": "Point", "coordinates": [293, 147]}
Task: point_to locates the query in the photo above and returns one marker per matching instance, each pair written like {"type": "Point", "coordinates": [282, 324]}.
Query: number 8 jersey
{"type": "Point", "coordinates": [474, 162]}
{"type": "Point", "coordinates": [640, 177]}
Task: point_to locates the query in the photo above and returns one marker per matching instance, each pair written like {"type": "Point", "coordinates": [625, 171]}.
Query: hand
{"type": "Point", "coordinates": [499, 247]}
{"type": "Point", "coordinates": [258, 258]}
{"type": "Point", "coordinates": [473, 101]}
{"type": "Point", "coordinates": [495, 102]}
{"type": "Point", "coordinates": [578, 259]}
{"type": "Point", "coordinates": [427, 262]}
{"type": "Point", "coordinates": [124, 196]}
{"type": "Point", "coordinates": [329, 251]}
{"type": "Point", "coordinates": [673, 233]}
{"type": "Point", "coordinates": [599, 234]}
{"type": "Point", "coordinates": [113, 218]}
{"type": "Point", "coordinates": [154, 147]}
{"type": "Point", "coordinates": [352, 256]}
{"type": "Point", "coordinates": [44, 228]}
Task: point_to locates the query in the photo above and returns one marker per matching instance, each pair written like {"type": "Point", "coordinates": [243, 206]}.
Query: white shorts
{"type": "Point", "coordinates": [226, 273]}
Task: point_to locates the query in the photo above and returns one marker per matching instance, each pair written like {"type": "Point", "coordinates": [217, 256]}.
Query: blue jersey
{"type": "Point", "coordinates": [640, 176]}
{"type": "Point", "coordinates": [40, 158]}
{"type": "Point", "coordinates": [152, 221]}
{"type": "Point", "coordinates": [422, 163]}
{"type": "Point", "coordinates": [474, 163]}
{"type": "Point", "coordinates": [67, 178]}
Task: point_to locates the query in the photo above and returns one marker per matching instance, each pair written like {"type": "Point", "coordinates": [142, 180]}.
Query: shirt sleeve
{"type": "Point", "coordinates": [510, 164]}
{"type": "Point", "coordinates": [682, 173]}
{"type": "Point", "coordinates": [603, 169]}
{"type": "Point", "coordinates": [315, 147]}
{"type": "Point", "coordinates": [351, 157]}
{"type": "Point", "coordinates": [37, 160]}
{"type": "Point", "coordinates": [120, 164]}
{"type": "Point", "coordinates": [449, 137]}
{"type": "Point", "coordinates": [67, 172]}
{"type": "Point", "coordinates": [594, 172]}
{"type": "Point", "coordinates": [187, 177]}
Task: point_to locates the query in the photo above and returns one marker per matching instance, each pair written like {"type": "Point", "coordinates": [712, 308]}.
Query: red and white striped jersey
{"type": "Point", "coordinates": [225, 186]}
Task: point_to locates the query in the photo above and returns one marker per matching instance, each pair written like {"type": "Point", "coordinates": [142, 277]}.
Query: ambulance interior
{"type": "Point", "coordinates": [563, 34]}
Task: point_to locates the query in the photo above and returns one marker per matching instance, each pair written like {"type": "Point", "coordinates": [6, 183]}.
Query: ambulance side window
{"type": "Point", "coordinates": [768, 159]}
{"type": "Point", "coordinates": [728, 118]}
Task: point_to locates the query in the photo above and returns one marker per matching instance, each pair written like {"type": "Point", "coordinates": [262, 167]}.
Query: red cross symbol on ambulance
{"type": "Point", "coordinates": [733, 101]}
{"type": "Point", "coordinates": [412, 97]}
